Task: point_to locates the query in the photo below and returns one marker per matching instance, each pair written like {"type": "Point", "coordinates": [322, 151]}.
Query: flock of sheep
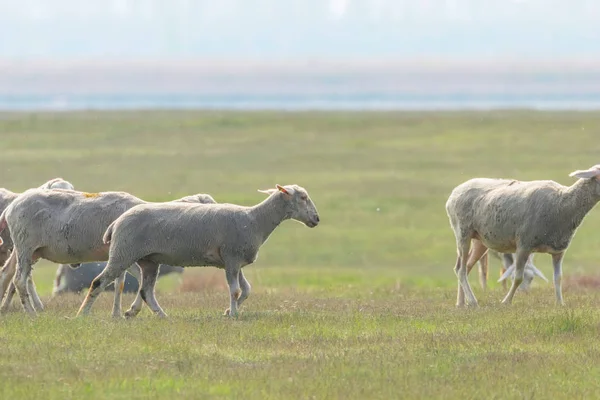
{"type": "Point", "coordinates": [68, 227]}
{"type": "Point", "coordinates": [59, 224]}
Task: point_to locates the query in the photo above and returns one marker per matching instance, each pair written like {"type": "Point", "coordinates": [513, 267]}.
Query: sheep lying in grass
{"type": "Point", "coordinates": [70, 280]}
{"type": "Point", "coordinates": [226, 236]}
{"type": "Point", "coordinates": [508, 264]}
{"type": "Point", "coordinates": [65, 227]}
{"type": "Point", "coordinates": [511, 216]}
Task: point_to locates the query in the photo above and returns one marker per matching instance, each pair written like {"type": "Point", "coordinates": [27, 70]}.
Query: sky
{"type": "Point", "coordinates": [296, 29]}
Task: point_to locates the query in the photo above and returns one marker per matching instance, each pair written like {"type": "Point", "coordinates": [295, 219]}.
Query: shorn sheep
{"type": "Point", "coordinates": [65, 227]}
{"type": "Point", "coordinates": [226, 236]}
{"type": "Point", "coordinates": [6, 243]}
{"type": "Point", "coordinates": [7, 197]}
{"type": "Point", "coordinates": [74, 280]}
{"type": "Point", "coordinates": [511, 216]}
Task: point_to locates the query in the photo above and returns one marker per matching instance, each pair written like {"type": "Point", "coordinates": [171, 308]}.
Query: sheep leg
{"type": "Point", "coordinates": [10, 292]}
{"type": "Point", "coordinates": [521, 260]}
{"type": "Point", "coordinates": [119, 285]}
{"type": "Point", "coordinates": [136, 306]}
{"type": "Point", "coordinates": [35, 298]}
{"type": "Point", "coordinates": [483, 271]}
{"type": "Point", "coordinates": [149, 275]}
{"type": "Point", "coordinates": [57, 279]}
{"type": "Point", "coordinates": [477, 253]}
{"type": "Point", "coordinates": [244, 286]}
{"type": "Point", "coordinates": [8, 272]}
{"type": "Point", "coordinates": [20, 280]}
{"type": "Point", "coordinates": [557, 264]}
{"type": "Point", "coordinates": [507, 261]}
{"type": "Point", "coordinates": [232, 276]}
{"type": "Point", "coordinates": [37, 303]}
{"type": "Point", "coordinates": [108, 275]}
{"type": "Point", "coordinates": [460, 296]}
{"type": "Point", "coordinates": [463, 249]}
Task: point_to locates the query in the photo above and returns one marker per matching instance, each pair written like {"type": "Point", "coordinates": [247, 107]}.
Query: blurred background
{"type": "Point", "coordinates": [299, 54]}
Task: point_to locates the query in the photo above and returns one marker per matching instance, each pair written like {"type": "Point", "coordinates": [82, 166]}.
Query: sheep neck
{"type": "Point", "coordinates": [270, 213]}
{"type": "Point", "coordinates": [579, 199]}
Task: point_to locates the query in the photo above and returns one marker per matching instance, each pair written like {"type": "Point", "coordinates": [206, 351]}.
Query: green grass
{"type": "Point", "coordinates": [360, 307]}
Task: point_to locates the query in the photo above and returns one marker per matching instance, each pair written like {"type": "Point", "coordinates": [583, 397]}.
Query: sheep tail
{"type": "Point", "coordinates": [108, 234]}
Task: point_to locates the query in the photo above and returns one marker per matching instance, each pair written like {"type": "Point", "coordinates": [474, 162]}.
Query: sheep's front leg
{"type": "Point", "coordinates": [521, 260]}
{"type": "Point", "coordinates": [244, 286]}
{"type": "Point", "coordinates": [20, 280]}
{"type": "Point", "coordinates": [35, 297]}
{"type": "Point", "coordinates": [232, 275]}
{"type": "Point", "coordinates": [557, 264]}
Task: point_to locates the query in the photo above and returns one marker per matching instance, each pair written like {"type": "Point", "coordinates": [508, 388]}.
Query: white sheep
{"type": "Point", "coordinates": [7, 197]}
{"type": "Point", "coordinates": [226, 236]}
{"type": "Point", "coordinates": [6, 243]}
{"type": "Point", "coordinates": [518, 217]}
{"type": "Point", "coordinates": [65, 227]}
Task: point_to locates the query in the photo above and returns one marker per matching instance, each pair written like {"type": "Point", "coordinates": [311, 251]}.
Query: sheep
{"type": "Point", "coordinates": [507, 265]}
{"type": "Point", "coordinates": [7, 197]}
{"type": "Point", "coordinates": [75, 280]}
{"type": "Point", "coordinates": [65, 227]}
{"type": "Point", "coordinates": [520, 217]}
{"type": "Point", "coordinates": [6, 243]}
{"type": "Point", "coordinates": [225, 236]}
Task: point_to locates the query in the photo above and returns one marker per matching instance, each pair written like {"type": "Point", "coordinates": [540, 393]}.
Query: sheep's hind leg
{"type": "Point", "coordinates": [108, 275]}
{"type": "Point", "coordinates": [146, 292]}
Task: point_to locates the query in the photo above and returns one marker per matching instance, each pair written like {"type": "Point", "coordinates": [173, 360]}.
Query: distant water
{"type": "Point", "coordinates": [362, 101]}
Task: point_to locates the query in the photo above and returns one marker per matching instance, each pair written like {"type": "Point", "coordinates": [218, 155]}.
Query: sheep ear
{"type": "Point", "coordinates": [507, 273]}
{"type": "Point", "coordinates": [537, 272]}
{"type": "Point", "coordinates": [586, 174]}
{"type": "Point", "coordinates": [282, 189]}
{"type": "Point", "coordinates": [49, 184]}
{"type": "Point", "coordinates": [268, 191]}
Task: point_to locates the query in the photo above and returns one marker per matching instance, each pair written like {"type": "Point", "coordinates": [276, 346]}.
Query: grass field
{"type": "Point", "coordinates": [360, 307]}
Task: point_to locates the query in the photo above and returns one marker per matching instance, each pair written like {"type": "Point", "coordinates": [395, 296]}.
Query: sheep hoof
{"type": "Point", "coordinates": [228, 313]}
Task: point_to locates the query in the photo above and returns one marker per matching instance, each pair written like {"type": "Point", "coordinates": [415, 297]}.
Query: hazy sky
{"type": "Point", "coordinates": [66, 29]}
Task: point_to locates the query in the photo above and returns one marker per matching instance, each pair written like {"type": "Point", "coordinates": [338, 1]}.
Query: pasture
{"type": "Point", "coordinates": [360, 307]}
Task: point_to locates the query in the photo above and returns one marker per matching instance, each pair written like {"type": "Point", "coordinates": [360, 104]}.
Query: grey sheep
{"type": "Point", "coordinates": [511, 216]}
{"type": "Point", "coordinates": [225, 236]}
{"type": "Point", "coordinates": [74, 280]}
{"type": "Point", "coordinates": [65, 227]}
